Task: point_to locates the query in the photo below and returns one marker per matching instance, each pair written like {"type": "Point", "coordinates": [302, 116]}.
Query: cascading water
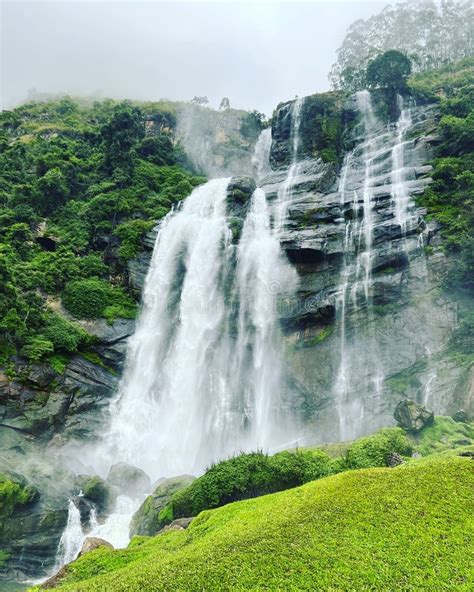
{"type": "Point", "coordinates": [400, 193]}
{"type": "Point", "coordinates": [382, 146]}
{"type": "Point", "coordinates": [202, 378]}
{"type": "Point", "coordinates": [164, 419]}
{"type": "Point", "coordinates": [72, 538]}
{"type": "Point", "coordinates": [115, 528]}
{"type": "Point", "coordinates": [261, 155]}
{"type": "Point", "coordinates": [262, 274]}
{"type": "Point", "coordinates": [284, 191]}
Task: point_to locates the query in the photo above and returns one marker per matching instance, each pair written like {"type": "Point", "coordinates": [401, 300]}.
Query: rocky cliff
{"type": "Point", "coordinates": [369, 324]}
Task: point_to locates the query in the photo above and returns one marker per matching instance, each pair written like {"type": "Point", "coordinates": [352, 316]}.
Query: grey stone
{"type": "Point", "coordinates": [178, 524]}
{"type": "Point", "coordinates": [394, 459]}
{"type": "Point", "coordinates": [92, 543]}
{"type": "Point", "coordinates": [411, 416]}
{"type": "Point", "coordinates": [129, 479]}
{"type": "Point", "coordinates": [460, 416]}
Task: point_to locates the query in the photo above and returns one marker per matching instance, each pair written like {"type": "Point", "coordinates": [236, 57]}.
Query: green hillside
{"type": "Point", "coordinates": [407, 528]}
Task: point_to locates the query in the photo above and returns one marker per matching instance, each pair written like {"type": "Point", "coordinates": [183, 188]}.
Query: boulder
{"type": "Point", "coordinates": [92, 543]}
{"type": "Point", "coordinates": [178, 524]}
{"type": "Point", "coordinates": [460, 416]}
{"type": "Point", "coordinates": [145, 519]}
{"type": "Point", "coordinates": [129, 479]}
{"type": "Point", "coordinates": [55, 580]}
{"type": "Point", "coordinates": [239, 192]}
{"type": "Point", "coordinates": [41, 375]}
{"type": "Point", "coordinates": [411, 416]}
{"type": "Point", "coordinates": [394, 459]}
{"type": "Point", "coordinates": [98, 491]}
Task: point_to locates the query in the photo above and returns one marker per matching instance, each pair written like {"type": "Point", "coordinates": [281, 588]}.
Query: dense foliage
{"type": "Point", "coordinates": [407, 528]}
{"type": "Point", "coordinates": [430, 33]}
{"type": "Point", "coordinates": [80, 185]}
{"type": "Point", "coordinates": [388, 70]}
{"type": "Point", "coordinates": [450, 199]}
{"type": "Point", "coordinates": [255, 474]}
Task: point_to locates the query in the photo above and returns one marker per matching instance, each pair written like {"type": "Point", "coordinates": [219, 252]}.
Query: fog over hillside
{"type": "Point", "coordinates": [256, 53]}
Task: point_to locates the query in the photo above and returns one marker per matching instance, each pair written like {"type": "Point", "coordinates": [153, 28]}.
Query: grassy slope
{"type": "Point", "coordinates": [408, 528]}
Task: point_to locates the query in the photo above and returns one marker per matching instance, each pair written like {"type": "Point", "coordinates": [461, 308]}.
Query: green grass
{"type": "Point", "coordinates": [443, 435]}
{"type": "Point", "coordinates": [408, 528]}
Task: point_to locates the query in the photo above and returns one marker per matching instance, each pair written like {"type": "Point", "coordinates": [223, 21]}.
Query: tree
{"type": "Point", "coordinates": [157, 149]}
{"type": "Point", "coordinates": [200, 100]}
{"type": "Point", "coordinates": [389, 70]}
{"type": "Point", "coordinates": [430, 33]}
{"type": "Point", "coordinates": [120, 134]}
{"type": "Point", "coordinates": [225, 104]}
{"type": "Point", "coordinates": [53, 191]}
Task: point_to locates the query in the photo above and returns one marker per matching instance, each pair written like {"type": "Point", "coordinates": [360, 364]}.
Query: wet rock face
{"type": "Point", "coordinates": [326, 120]}
{"type": "Point", "coordinates": [34, 514]}
{"type": "Point", "coordinates": [397, 339]}
{"type": "Point", "coordinates": [43, 403]}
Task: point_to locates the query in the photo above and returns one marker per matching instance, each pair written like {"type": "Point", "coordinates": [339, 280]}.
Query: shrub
{"type": "Point", "coordinates": [86, 298]}
{"type": "Point", "coordinates": [37, 347]}
{"type": "Point", "coordinates": [15, 491]}
{"type": "Point", "coordinates": [245, 476]}
{"type": "Point", "coordinates": [64, 335]}
{"type": "Point", "coordinates": [131, 234]}
{"type": "Point", "coordinates": [374, 450]}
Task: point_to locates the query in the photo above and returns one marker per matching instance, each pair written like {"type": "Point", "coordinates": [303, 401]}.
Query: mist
{"type": "Point", "coordinates": [255, 53]}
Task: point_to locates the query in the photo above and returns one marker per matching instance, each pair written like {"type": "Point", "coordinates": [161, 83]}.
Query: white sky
{"type": "Point", "coordinates": [256, 53]}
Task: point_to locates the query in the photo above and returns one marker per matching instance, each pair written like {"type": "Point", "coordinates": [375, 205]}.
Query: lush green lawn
{"type": "Point", "coordinates": [407, 528]}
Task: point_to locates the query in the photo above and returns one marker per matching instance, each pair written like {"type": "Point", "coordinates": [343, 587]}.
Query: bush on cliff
{"type": "Point", "coordinates": [71, 174]}
{"type": "Point", "coordinates": [450, 198]}
{"type": "Point", "coordinates": [90, 299]}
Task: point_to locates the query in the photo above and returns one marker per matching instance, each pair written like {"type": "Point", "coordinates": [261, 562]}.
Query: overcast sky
{"type": "Point", "coordinates": [256, 53]}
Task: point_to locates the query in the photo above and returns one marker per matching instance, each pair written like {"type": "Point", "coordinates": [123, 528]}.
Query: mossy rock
{"type": "Point", "coordinates": [15, 492]}
{"type": "Point", "coordinates": [239, 192]}
{"type": "Point", "coordinates": [128, 479]}
{"type": "Point", "coordinates": [97, 490]}
{"type": "Point", "coordinates": [145, 521]}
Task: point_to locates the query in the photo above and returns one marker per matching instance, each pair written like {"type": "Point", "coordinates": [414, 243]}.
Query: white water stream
{"type": "Point", "coordinates": [382, 147]}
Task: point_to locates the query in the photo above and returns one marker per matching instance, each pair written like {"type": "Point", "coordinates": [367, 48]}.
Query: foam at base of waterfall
{"type": "Point", "coordinates": [115, 529]}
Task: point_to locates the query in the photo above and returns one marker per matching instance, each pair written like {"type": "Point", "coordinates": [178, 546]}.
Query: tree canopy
{"type": "Point", "coordinates": [430, 33]}
{"type": "Point", "coordinates": [388, 70]}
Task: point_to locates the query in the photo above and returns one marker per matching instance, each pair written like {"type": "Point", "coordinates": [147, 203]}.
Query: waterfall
{"type": "Point", "coordinates": [381, 146]}
{"type": "Point", "coordinates": [164, 418]}
{"type": "Point", "coordinates": [115, 528]}
{"type": "Point", "coordinates": [203, 372]}
{"type": "Point", "coordinates": [400, 193]}
{"type": "Point", "coordinates": [71, 539]}
{"type": "Point", "coordinates": [285, 189]}
{"type": "Point", "coordinates": [261, 155]}
{"type": "Point", "coordinates": [262, 275]}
